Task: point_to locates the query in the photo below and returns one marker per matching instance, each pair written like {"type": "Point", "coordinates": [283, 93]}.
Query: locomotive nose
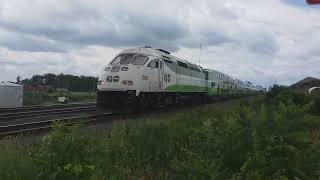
{"type": "Point", "coordinates": [117, 77]}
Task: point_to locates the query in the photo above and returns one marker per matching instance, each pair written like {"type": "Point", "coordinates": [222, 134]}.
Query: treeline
{"type": "Point", "coordinates": [66, 81]}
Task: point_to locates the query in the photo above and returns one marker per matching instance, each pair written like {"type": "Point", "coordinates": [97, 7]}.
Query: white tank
{"type": "Point", "coordinates": [11, 95]}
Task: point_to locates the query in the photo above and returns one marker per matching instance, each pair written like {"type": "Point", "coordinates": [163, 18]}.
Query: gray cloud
{"type": "Point", "coordinates": [31, 43]}
{"type": "Point", "coordinates": [255, 41]}
{"type": "Point", "coordinates": [263, 44]}
{"type": "Point", "coordinates": [83, 27]}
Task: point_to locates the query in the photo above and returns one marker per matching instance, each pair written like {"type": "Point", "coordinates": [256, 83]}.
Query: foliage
{"type": "Point", "coordinates": [316, 104]}
{"type": "Point", "coordinates": [275, 90]}
{"type": "Point", "coordinates": [70, 82]}
{"type": "Point", "coordinates": [279, 94]}
{"type": "Point", "coordinates": [67, 154]}
{"type": "Point", "coordinates": [31, 98]}
{"type": "Point", "coordinates": [272, 138]}
{"type": "Point", "coordinates": [15, 164]}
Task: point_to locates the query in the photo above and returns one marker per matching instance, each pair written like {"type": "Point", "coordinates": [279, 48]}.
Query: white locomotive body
{"type": "Point", "coordinates": [145, 77]}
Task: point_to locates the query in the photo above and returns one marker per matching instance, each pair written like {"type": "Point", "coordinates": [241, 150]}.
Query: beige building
{"type": "Point", "coordinates": [11, 95]}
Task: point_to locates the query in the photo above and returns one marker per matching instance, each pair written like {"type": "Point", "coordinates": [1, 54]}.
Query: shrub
{"type": "Point", "coordinates": [315, 109]}
{"type": "Point", "coordinates": [15, 165]}
{"type": "Point", "coordinates": [68, 154]}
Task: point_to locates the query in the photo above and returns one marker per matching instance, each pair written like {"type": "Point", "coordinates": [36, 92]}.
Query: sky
{"type": "Point", "coordinates": [262, 41]}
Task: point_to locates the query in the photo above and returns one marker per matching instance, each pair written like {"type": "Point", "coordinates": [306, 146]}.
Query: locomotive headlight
{"type": "Point", "coordinates": [107, 68]}
{"type": "Point", "coordinates": [127, 82]}
{"type": "Point", "coordinates": [130, 83]}
{"type": "Point", "coordinates": [124, 69]}
{"type": "Point", "coordinates": [100, 83]}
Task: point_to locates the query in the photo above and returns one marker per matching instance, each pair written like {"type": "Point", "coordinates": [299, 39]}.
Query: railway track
{"type": "Point", "coordinates": [34, 111]}
{"type": "Point", "coordinates": [43, 107]}
{"type": "Point", "coordinates": [16, 128]}
{"type": "Point", "coordinates": [19, 128]}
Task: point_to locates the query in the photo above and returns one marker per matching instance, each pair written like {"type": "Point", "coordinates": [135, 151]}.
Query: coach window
{"type": "Point", "coordinates": [140, 60]}
{"type": "Point", "coordinates": [154, 64]}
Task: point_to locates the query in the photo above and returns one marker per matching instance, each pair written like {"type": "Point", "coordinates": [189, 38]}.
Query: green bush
{"type": "Point", "coordinates": [273, 138]}
{"type": "Point", "coordinates": [15, 164]}
{"type": "Point", "coordinates": [315, 109]}
{"type": "Point", "coordinates": [68, 154]}
{"type": "Point", "coordinates": [275, 90]}
{"type": "Point", "coordinates": [37, 98]}
{"type": "Point", "coordinates": [49, 98]}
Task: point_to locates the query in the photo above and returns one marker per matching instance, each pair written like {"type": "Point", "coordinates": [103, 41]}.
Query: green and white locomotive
{"type": "Point", "coordinates": [146, 77]}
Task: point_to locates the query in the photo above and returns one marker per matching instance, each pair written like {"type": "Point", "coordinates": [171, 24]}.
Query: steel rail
{"type": "Point", "coordinates": [43, 107]}
{"type": "Point", "coordinates": [14, 129]}
{"type": "Point", "coordinates": [20, 115]}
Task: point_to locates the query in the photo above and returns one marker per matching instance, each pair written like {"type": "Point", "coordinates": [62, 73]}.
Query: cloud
{"type": "Point", "coordinates": [259, 41]}
{"type": "Point", "coordinates": [79, 25]}
{"type": "Point", "coordinates": [88, 61]}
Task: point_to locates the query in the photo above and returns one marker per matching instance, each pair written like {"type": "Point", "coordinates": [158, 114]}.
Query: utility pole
{"type": "Point", "coordinates": [200, 53]}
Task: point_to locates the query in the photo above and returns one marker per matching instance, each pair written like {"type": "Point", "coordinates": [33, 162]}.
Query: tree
{"type": "Point", "coordinates": [50, 79]}
{"type": "Point", "coordinates": [18, 80]}
{"type": "Point", "coordinates": [66, 81]}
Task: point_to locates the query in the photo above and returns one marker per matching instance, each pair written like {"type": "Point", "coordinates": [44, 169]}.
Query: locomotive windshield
{"type": "Point", "coordinates": [140, 60]}
{"type": "Point", "coordinates": [129, 58]}
{"type": "Point", "coordinates": [116, 60]}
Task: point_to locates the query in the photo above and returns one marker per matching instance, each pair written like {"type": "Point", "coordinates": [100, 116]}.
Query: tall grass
{"type": "Point", "coordinates": [15, 164]}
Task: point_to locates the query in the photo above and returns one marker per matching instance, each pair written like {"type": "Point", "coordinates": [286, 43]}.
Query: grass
{"type": "Point", "coordinates": [51, 98]}
{"type": "Point", "coordinates": [272, 137]}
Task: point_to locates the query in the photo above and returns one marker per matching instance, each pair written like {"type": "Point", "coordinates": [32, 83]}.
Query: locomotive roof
{"type": "Point", "coordinates": [166, 55]}
{"type": "Point", "coordinates": [157, 52]}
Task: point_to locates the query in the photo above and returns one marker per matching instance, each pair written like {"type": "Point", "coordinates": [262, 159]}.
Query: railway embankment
{"type": "Point", "coordinates": [276, 136]}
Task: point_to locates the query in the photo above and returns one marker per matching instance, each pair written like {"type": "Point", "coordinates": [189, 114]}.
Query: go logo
{"type": "Point", "coordinates": [167, 78]}
{"type": "Point", "coordinates": [113, 78]}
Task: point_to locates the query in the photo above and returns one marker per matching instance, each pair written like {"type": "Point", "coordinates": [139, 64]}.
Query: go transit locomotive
{"type": "Point", "coordinates": [146, 77]}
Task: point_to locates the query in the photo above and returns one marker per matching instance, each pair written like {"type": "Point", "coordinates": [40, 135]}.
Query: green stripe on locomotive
{"type": "Point", "coordinates": [208, 90]}
{"type": "Point", "coordinates": [185, 88]}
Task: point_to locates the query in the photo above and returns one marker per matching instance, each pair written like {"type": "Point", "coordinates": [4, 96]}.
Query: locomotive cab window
{"type": "Point", "coordinates": [167, 61]}
{"type": "Point", "coordinates": [194, 67]}
{"type": "Point", "coordinates": [140, 60]}
{"type": "Point", "coordinates": [116, 60]}
{"type": "Point", "coordinates": [127, 59]}
{"type": "Point", "coordinates": [154, 64]}
{"type": "Point", "coordinates": [182, 64]}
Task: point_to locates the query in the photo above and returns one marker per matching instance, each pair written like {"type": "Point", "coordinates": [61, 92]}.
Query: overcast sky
{"type": "Point", "coordinates": [263, 41]}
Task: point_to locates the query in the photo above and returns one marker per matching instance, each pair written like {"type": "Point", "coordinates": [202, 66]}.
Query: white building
{"type": "Point", "coordinates": [11, 95]}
